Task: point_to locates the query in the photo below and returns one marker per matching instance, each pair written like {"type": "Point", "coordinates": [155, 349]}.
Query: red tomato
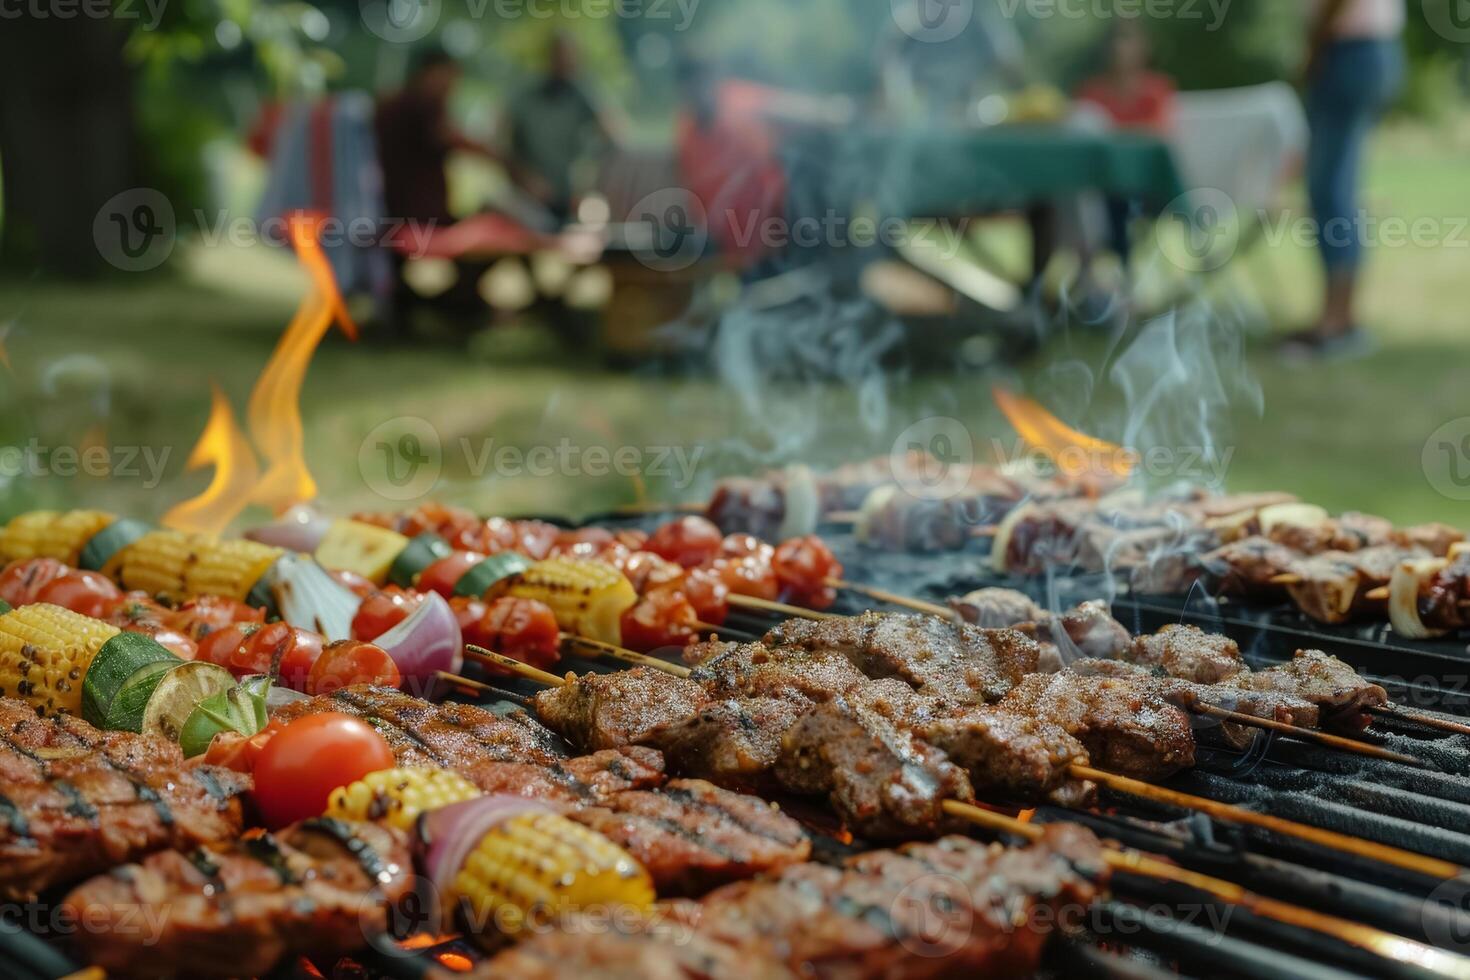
{"type": "Point", "coordinates": [662, 618]}
{"type": "Point", "coordinates": [708, 594]}
{"type": "Point", "coordinates": [803, 566]}
{"type": "Point", "coordinates": [173, 640]}
{"type": "Point", "coordinates": [287, 653]}
{"type": "Point", "coordinates": [348, 662]}
{"type": "Point", "coordinates": [442, 575]}
{"type": "Point", "coordinates": [223, 646]}
{"type": "Point", "coordinates": [469, 610]}
{"type": "Point", "coordinates": [355, 583]}
{"type": "Point", "coordinates": [382, 611]}
{"type": "Point", "coordinates": [198, 618]}
{"type": "Point", "coordinates": [521, 628]}
{"type": "Point", "coordinates": [535, 539]}
{"type": "Point", "coordinates": [302, 763]}
{"type": "Point", "coordinates": [489, 537]}
{"type": "Point", "coordinates": [587, 542]}
{"type": "Point", "coordinates": [647, 571]}
{"type": "Point", "coordinates": [24, 578]}
{"type": "Point", "coordinates": [749, 576]}
{"type": "Point", "coordinates": [745, 546]}
{"type": "Point", "coordinates": [689, 541]}
{"type": "Point", "coordinates": [88, 593]}
{"type": "Point", "coordinates": [135, 609]}
{"type": "Point", "coordinates": [450, 523]}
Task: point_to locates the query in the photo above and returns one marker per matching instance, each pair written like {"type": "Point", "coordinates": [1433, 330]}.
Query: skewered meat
{"type": "Point", "coordinates": [320, 887]}
{"type": "Point", "coordinates": [691, 835]}
{"type": "Point", "coordinates": [734, 742]}
{"type": "Point", "coordinates": [1342, 696]}
{"type": "Point", "coordinates": [1189, 653]}
{"type": "Point", "coordinates": [952, 661]}
{"type": "Point", "coordinates": [884, 781]}
{"type": "Point", "coordinates": [1011, 756]}
{"type": "Point", "coordinates": [616, 955]}
{"type": "Point", "coordinates": [75, 800]}
{"type": "Point", "coordinates": [996, 608]}
{"type": "Point", "coordinates": [608, 710]}
{"type": "Point", "coordinates": [756, 670]}
{"type": "Point", "coordinates": [1442, 594]}
{"type": "Point", "coordinates": [1246, 567]}
{"type": "Point", "coordinates": [1125, 727]}
{"type": "Point", "coordinates": [1437, 539]}
{"type": "Point", "coordinates": [1094, 632]}
{"type": "Point", "coordinates": [1332, 585]}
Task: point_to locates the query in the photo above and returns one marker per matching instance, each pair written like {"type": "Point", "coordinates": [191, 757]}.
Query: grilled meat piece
{"type": "Point", "coordinates": [1246, 567]}
{"type": "Point", "coordinates": [1188, 653]}
{"type": "Point", "coordinates": [691, 835]}
{"type": "Point", "coordinates": [884, 781]}
{"type": "Point", "coordinates": [450, 735]}
{"type": "Point", "coordinates": [996, 608]}
{"type": "Point", "coordinates": [75, 800]}
{"type": "Point", "coordinates": [734, 743]}
{"type": "Point", "coordinates": [1333, 584]}
{"type": "Point", "coordinates": [1011, 757]}
{"type": "Point", "coordinates": [1094, 632]}
{"type": "Point", "coordinates": [954, 908]}
{"type": "Point", "coordinates": [1124, 726]}
{"type": "Point", "coordinates": [595, 951]}
{"type": "Point", "coordinates": [1335, 688]}
{"type": "Point", "coordinates": [603, 711]}
{"type": "Point", "coordinates": [755, 670]}
{"type": "Point", "coordinates": [579, 779]}
{"type": "Point", "coordinates": [321, 887]}
{"type": "Point", "coordinates": [1086, 630]}
{"type": "Point", "coordinates": [1437, 539]}
{"type": "Point", "coordinates": [953, 661]}
{"type": "Point", "coordinates": [1441, 596]}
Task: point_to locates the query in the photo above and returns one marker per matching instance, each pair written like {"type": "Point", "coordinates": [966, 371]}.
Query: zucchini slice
{"type": "Point", "coordinates": [106, 546]}
{"type": "Point", "coordinates": [179, 692]}
{"type": "Point", "coordinates": [113, 667]}
{"type": "Point", "coordinates": [417, 555]}
{"type": "Point", "coordinates": [493, 576]}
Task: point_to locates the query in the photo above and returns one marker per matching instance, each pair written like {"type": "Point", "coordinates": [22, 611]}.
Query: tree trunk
{"type": "Point", "coordinates": [67, 139]}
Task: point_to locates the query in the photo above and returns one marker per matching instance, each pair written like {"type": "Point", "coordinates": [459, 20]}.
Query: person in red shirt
{"type": "Point", "coordinates": [1133, 97]}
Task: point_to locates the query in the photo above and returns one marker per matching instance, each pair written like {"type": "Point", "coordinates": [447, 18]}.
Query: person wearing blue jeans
{"type": "Point", "coordinates": [1354, 70]}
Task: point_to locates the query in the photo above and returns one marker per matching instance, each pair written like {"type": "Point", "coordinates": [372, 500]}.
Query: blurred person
{"type": "Point", "coordinates": [555, 125]}
{"type": "Point", "coordinates": [1355, 64]}
{"type": "Point", "coordinates": [1132, 97]}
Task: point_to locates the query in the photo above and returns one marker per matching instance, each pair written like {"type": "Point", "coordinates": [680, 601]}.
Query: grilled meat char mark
{"type": "Point", "coordinates": [1342, 696]}
{"type": "Point", "coordinates": [77, 800]}
{"type": "Point", "coordinates": [321, 887]}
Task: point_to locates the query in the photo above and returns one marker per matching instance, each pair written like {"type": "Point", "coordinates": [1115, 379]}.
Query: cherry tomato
{"type": "Point", "coordinates": [25, 577]}
{"type": "Point", "coordinates": [442, 575]}
{"type": "Point", "coordinates": [302, 763]}
{"type": "Point", "coordinates": [199, 617]}
{"type": "Point", "coordinates": [587, 542]}
{"type": "Point", "coordinates": [521, 628]}
{"type": "Point", "coordinates": [535, 539]}
{"type": "Point", "coordinates": [223, 646]}
{"type": "Point", "coordinates": [468, 610]}
{"type": "Point", "coordinates": [489, 537]}
{"type": "Point", "coordinates": [689, 541]}
{"type": "Point", "coordinates": [173, 640]}
{"type": "Point", "coordinates": [745, 546]}
{"type": "Point", "coordinates": [133, 608]}
{"type": "Point", "coordinates": [647, 570]}
{"type": "Point", "coordinates": [450, 523]}
{"type": "Point", "coordinates": [707, 593]}
{"type": "Point", "coordinates": [283, 651]}
{"type": "Point", "coordinates": [87, 593]}
{"type": "Point", "coordinates": [662, 618]}
{"type": "Point", "coordinates": [803, 566]}
{"type": "Point", "coordinates": [382, 611]}
{"type": "Point", "coordinates": [348, 662]}
{"type": "Point", "coordinates": [355, 583]}
{"type": "Point", "coordinates": [748, 576]}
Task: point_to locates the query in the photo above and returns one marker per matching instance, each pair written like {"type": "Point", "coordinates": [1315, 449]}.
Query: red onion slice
{"type": "Point", "coordinates": [427, 642]}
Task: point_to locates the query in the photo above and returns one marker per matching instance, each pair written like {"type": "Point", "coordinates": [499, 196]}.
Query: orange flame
{"type": "Point", "coordinates": [1073, 453]}
{"type": "Point", "coordinates": [1025, 816]}
{"type": "Point", "coordinates": [224, 447]}
{"type": "Point", "coordinates": [274, 411]}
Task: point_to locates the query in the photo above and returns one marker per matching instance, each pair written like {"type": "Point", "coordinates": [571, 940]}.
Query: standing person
{"type": "Point", "coordinates": [1355, 64]}
{"type": "Point", "coordinates": [555, 125]}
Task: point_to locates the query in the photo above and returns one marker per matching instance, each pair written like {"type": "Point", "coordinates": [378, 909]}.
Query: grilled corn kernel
{"type": "Point", "coordinates": [49, 534]}
{"type": "Point", "coordinates": [229, 568]}
{"type": "Point", "coordinates": [541, 865]}
{"type": "Point", "coordinates": [160, 563]}
{"type": "Point", "coordinates": [45, 651]}
{"type": "Point", "coordinates": [588, 597]}
{"type": "Point", "coordinates": [397, 796]}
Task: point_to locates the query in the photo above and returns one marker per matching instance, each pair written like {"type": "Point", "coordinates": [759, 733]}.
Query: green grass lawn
{"type": "Point", "coordinates": [129, 362]}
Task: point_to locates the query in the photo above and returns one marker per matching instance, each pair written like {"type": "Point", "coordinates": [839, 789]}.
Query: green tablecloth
{"type": "Point", "coordinates": [951, 172]}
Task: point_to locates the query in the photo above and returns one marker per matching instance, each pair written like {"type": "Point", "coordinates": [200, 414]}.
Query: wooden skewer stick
{"type": "Point", "coordinates": [893, 598]}
{"type": "Point", "coordinates": [1311, 735]}
{"type": "Point", "coordinates": [513, 665]}
{"type": "Point", "coordinates": [1379, 594]}
{"type": "Point", "coordinates": [1399, 858]}
{"type": "Point", "coordinates": [1428, 721]}
{"type": "Point", "coordinates": [1377, 941]}
{"type": "Point", "coordinates": [766, 605]}
{"type": "Point", "coordinates": [625, 655]}
{"type": "Point", "coordinates": [1285, 578]}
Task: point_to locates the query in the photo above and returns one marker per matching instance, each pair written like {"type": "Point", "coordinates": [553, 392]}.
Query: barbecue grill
{"type": "Point", "coordinates": [1150, 928]}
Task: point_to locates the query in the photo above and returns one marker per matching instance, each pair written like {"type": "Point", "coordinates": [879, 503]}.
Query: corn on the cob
{"type": "Point", "coordinates": [51, 534]}
{"type": "Point", "coordinates": [588, 597]}
{"type": "Point", "coordinates": [229, 568]}
{"type": "Point", "coordinates": [398, 796]}
{"type": "Point", "coordinates": [539, 865]}
{"type": "Point", "coordinates": [45, 651]}
{"type": "Point", "coordinates": [160, 562]}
